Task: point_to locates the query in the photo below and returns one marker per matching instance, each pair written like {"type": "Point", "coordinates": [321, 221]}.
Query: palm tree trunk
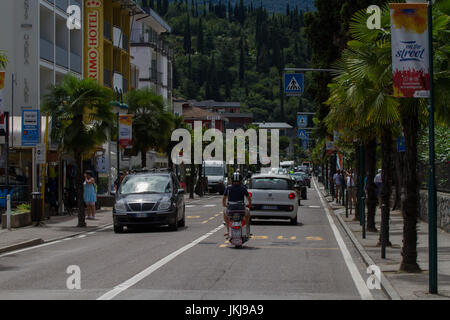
{"type": "Point", "coordinates": [386, 158]}
{"type": "Point", "coordinates": [410, 203]}
{"type": "Point", "coordinates": [79, 190]}
{"type": "Point", "coordinates": [372, 199]}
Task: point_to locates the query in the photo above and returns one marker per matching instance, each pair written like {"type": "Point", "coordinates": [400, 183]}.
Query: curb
{"type": "Point", "coordinates": [22, 245]}
{"type": "Point", "coordinates": [35, 242]}
{"type": "Point", "coordinates": [385, 283]}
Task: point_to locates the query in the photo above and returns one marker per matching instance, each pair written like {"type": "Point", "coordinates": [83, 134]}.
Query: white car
{"type": "Point", "coordinates": [273, 197]}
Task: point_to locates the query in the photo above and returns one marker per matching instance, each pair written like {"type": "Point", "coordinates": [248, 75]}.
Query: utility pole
{"type": "Point", "coordinates": [432, 197]}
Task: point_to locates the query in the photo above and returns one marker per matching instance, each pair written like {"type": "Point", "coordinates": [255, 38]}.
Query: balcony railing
{"type": "Point", "coordinates": [46, 50]}
{"type": "Point", "coordinates": [75, 62]}
{"type": "Point", "coordinates": [61, 57]}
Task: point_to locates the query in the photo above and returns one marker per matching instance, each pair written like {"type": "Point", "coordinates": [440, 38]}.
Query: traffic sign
{"type": "Point", "coordinates": [302, 134]}
{"type": "Point", "coordinates": [302, 121]}
{"type": "Point", "coordinates": [30, 128]}
{"type": "Point", "coordinates": [40, 154]}
{"type": "Point", "coordinates": [305, 144]}
{"type": "Point", "coordinates": [401, 147]}
{"type": "Point", "coordinates": [293, 84]}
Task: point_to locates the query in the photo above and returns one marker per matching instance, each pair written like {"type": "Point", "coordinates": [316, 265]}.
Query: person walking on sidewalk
{"type": "Point", "coordinates": [378, 181]}
{"type": "Point", "coordinates": [90, 195]}
{"type": "Point", "coordinates": [351, 189]}
{"type": "Point", "coordinates": [338, 180]}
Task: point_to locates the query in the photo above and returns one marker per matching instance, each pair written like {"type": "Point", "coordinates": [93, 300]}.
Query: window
{"type": "Point", "coordinates": [271, 184]}
{"type": "Point", "coordinates": [145, 184]}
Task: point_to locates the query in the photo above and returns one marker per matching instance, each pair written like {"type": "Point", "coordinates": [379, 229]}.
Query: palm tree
{"type": "Point", "coordinates": [368, 81]}
{"type": "Point", "coordinates": [81, 120]}
{"type": "Point", "coordinates": [152, 124]}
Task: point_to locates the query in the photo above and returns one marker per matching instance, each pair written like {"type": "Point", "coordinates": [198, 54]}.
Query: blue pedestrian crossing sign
{"type": "Point", "coordinates": [302, 134]}
{"type": "Point", "coordinates": [293, 84]}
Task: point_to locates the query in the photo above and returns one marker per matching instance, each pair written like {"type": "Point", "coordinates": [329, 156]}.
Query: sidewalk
{"type": "Point", "coordinates": [56, 228]}
{"type": "Point", "coordinates": [406, 285]}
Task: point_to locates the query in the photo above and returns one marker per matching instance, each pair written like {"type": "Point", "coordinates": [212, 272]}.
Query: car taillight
{"type": "Point", "coordinates": [250, 194]}
{"type": "Point", "coordinates": [292, 196]}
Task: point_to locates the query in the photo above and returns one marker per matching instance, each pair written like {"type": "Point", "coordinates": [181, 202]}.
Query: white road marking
{"type": "Point", "coordinates": [315, 207]}
{"type": "Point", "coordinates": [210, 206]}
{"type": "Point", "coordinates": [356, 276]}
{"type": "Point", "coordinates": [82, 236]}
{"type": "Point", "coordinates": [30, 248]}
{"type": "Point", "coordinates": [190, 206]}
{"type": "Point", "coordinates": [145, 273]}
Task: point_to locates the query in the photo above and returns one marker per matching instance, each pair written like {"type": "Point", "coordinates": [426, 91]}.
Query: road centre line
{"type": "Point", "coordinates": [356, 276]}
{"type": "Point", "coordinates": [145, 273]}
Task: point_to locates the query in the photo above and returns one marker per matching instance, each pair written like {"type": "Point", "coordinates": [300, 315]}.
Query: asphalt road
{"type": "Point", "coordinates": [313, 260]}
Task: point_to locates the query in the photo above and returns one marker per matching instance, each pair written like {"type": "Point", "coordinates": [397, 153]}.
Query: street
{"type": "Point", "coordinates": [281, 261]}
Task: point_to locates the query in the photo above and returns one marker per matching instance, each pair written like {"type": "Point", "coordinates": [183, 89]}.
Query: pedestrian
{"type": "Point", "coordinates": [378, 181]}
{"type": "Point", "coordinates": [351, 189]}
{"type": "Point", "coordinates": [339, 180]}
{"type": "Point", "coordinates": [90, 194]}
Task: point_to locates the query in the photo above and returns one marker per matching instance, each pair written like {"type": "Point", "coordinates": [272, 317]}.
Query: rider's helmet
{"type": "Point", "coordinates": [236, 177]}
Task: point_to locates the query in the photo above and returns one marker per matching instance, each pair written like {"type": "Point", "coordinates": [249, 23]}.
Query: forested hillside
{"type": "Point", "coordinates": [237, 53]}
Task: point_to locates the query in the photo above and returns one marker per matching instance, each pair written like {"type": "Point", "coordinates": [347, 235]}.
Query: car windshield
{"type": "Point", "coordinates": [145, 184]}
{"type": "Point", "coordinates": [270, 184]}
{"type": "Point", "coordinates": [213, 171]}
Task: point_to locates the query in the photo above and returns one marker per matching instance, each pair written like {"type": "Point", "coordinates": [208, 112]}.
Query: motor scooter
{"type": "Point", "coordinates": [239, 233]}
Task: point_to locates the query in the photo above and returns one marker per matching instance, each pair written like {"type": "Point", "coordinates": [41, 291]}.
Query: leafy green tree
{"type": "Point", "coordinates": [81, 120]}
{"type": "Point", "coordinates": [3, 60]}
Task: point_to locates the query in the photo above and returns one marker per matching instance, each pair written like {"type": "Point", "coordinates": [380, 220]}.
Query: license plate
{"type": "Point", "coordinates": [269, 207]}
{"type": "Point", "coordinates": [140, 215]}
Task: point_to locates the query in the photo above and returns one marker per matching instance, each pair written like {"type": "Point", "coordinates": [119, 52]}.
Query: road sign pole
{"type": "Point", "coordinates": [432, 197]}
{"type": "Point", "coordinates": [6, 119]}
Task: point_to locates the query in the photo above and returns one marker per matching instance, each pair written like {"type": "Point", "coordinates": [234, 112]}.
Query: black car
{"type": "Point", "coordinates": [299, 177]}
{"type": "Point", "coordinates": [149, 199]}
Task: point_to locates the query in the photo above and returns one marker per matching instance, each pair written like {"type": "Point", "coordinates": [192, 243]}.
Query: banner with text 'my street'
{"type": "Point", "coordinates": [125, 130]}
{"type": "Point", "coordinates": [410, 52]}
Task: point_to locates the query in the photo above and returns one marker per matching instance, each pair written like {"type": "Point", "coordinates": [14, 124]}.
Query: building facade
{"type": "Point", "coordinates": [152, 55]}
{"type": "Point", "coordinates": [41, 50]}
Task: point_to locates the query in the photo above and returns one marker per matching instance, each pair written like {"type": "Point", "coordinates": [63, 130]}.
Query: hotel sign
{"type": "Point", "coordinates": [93, 39]}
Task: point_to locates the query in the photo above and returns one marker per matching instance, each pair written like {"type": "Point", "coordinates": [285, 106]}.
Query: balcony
{"type": "Point", "coordinates": [75, 62]}
{"type": "Point", "coordinates": [46, 50]}
{"type": "Point", "coordinates": [61, 57]}
{"type": "Point", "coordinates": [107, 78]}
{"type": "Point", "coordinates": [125, 85]}
{"type": "Point", "coordinates": [117, 37]}
{"type": "Point", "coordinates": [107, 30]}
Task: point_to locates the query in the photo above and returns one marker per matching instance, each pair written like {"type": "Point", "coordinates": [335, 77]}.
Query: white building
{"type": "Point", "coordinates": [151, 54]}
{"type": "Point", "coordinates": [41, 50]}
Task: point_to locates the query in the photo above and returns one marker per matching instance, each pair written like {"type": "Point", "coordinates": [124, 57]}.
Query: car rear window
{"type": "Point", "coordinates": [271, 184]}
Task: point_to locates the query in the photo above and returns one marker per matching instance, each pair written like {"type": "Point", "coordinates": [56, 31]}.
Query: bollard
{"type": "Point", "coordinates": [8, 212]}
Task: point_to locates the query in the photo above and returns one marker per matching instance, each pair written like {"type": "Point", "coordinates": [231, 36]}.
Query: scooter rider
{"type": "Point", "coordinates": [236, 193]}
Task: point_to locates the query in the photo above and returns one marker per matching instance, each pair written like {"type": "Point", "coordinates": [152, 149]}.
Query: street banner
{"type": "Point", "coordinates": [410, 52]}
{"type": "Point", "coordinates": [2, 111]}
{"type": "Point", "coordinates": [125, 130]}
{"type": "Point", "coordinates": [30, 128]}
{"type": "Point", "coordinates": [329, 146]}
